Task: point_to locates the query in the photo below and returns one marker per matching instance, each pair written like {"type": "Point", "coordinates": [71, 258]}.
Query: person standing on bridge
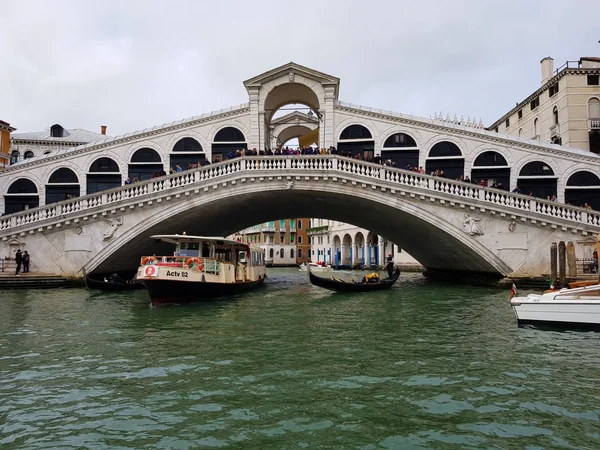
{"type": "Point", "coordinates": [19, 261]}
{"type": "Point", "coordinates": [25, 262]}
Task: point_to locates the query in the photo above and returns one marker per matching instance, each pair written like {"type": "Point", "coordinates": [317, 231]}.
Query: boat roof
{"type": "Point", "coordinates": [174, 238]}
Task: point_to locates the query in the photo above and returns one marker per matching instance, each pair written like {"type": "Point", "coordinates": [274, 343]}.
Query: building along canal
{"type": "Point", "coordinates": [422, 365]}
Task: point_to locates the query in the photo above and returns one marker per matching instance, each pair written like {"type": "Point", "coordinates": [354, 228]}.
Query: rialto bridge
{"type": "Point", "coordinates": [72, 212]}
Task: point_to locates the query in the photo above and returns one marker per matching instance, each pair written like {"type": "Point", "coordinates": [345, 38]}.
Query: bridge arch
{"type": "Point", "coordinates": [356, 139]}
{"type": "Point", "coordinates": [401, 148]}
{"type": "Point", "coordinates": [22, 194]}
{"type": "Point", "coordinates": [437, 244]}
{"type": "Point", "coordinates": [583, 186]}
{"type": "Point", "coordinates": [144, 163]}
{"type": "Point", "coordinates": [445, 155]}
{"type": "Point", "coordinates": [277, 93]}
{"type": "Point", "coordinates": [492, 167]}
{"type": "Point", "coordinates": [537, 177]}
{"type": "Point", "coordinates": [62, 184]}
{"type": "Point", "coordinates": [227, 139]}
{"type": "Point", "coordinates": [103, 173]}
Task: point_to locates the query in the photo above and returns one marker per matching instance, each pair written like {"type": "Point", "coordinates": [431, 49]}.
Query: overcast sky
{"type": "Point", "coordinates": [135, 64]}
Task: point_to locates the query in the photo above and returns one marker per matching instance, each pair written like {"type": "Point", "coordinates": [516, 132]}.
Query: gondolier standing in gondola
{"type": "Point", "coordinates": [390, 265]}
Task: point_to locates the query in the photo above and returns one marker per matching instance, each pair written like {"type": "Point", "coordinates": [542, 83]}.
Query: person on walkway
{"type": "Point", "coordinates": [19, 261]}
{"type": "Point", "coordinates": [25, 262]}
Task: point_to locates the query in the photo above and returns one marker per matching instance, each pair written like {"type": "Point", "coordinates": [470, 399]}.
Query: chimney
{"type": "Point", "coordinates": [547, 69]}
{"type": "Point", "coordinates": [103, 129]}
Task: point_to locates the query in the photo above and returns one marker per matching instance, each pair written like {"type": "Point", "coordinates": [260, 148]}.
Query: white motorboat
{"type": "Point", "coordinates": [314, 267]}
{"type": "Point", "coordinates": [579, 307]}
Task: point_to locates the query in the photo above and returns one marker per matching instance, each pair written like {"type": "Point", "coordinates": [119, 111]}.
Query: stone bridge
{"type": "Point", "coordinates": [447, 225]}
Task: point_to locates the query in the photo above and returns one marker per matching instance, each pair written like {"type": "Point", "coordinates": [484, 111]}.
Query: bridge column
{"type": "Point", "coordinates": [381, 255]}
{"type": "Point", "coordinates": [254, 138]}
{"type": "Point", "coordinates": [327, 126]}
{"type": "Point", "coordinates": [354, 254]}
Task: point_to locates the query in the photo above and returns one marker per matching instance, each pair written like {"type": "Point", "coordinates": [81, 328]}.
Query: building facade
{"type": "Point", "coordinates": [5, 130]}
{"type": "Point", "coordinates": [285, 241]}
{"type": "Point", "coordinates": [565, 110]}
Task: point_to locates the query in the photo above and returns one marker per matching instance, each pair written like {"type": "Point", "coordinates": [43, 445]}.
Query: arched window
{"type": "Point", "coordinates": [104, 165]}
{"type": "Point", "coordinates": [491, 167]}
{"type": "Point", "coordinates": [583, 187]}
{"type": "Point", "coordinates": [594, 108]}
{"type": "Point", "coordinates": [536, 168]}
{"type": "Point", "coordinates": [21, 195]}
{"type": "Point", "coordinates": [28, 154]}
{"type": "Point", "coordinates": [271, 253]}
{"type": "Point", "coordinates": [444, 149]}
{"type": "Point", "coordinates": [445, 156]}
{"type": "Point", "coordinates": [104, 174]}
{"type": "Point", "coordinates": [56, 131]}
{"type": "Point", "coordinates": [281, 253]}
{"type": "Point", "coordinates": [229, 134]}
{"type": "Point", "coordinates": [555, 115]}
{"type": "Point", "coordinates": [189, 144]}
{"type": "Point", "coordinates": [226, 142]}
{"type": "Point", "coordinates": [356, 132]}
{"type": "Point", "coordinates": [520, 131]}
{"type": "Point", "coordinates": [537, 178]}
{"type": "Point", "coordinates": [291, 253]}
{"type": "Point", "coordinates": [145, 155]}
{"type": "Point", "coordinates": [14, 156]}
{"type": "Point", "coordinates": [356, 140]}
{"type": "Point", "coordinates": [299, 239]}
{"type": "Point", "coordinates": [535, 129]}
{"type": "Point", "coordinates": [62, 176]}
{"type": "Point", "coordinates": [63, 184]}
{"type": "Point", "coordinates": [299, 224]}
{"type": "Point", "coordinates": [400, 140]}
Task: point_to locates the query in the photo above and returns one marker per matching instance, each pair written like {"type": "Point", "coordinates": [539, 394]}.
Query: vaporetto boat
{"type": "Point", "coordinates": [579, 307]}
{"type": "Point", "coordinates": [201, 268]}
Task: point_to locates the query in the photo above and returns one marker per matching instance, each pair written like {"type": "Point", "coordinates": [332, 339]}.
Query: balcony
{"type": "Point", "coordinates": [554, 131]}
{"type": "Point", "coordinates": [317, 230]}
{"type": "Point", "coordinates": [267, 229]}
{"type": "Point", "coordinates": [594, 124]}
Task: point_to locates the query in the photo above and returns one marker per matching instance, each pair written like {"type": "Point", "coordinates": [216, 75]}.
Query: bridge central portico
{"type": "Point", "coordinates": [445, 224]}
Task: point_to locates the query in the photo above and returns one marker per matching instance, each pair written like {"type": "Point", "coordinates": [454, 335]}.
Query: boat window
{"type": "Point", "coordinates": [223, 254]}
{"type": "Point", "coordinates": [242, 257]}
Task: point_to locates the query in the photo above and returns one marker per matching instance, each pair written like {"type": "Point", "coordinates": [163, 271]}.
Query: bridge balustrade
{"type": "Point", "coordinates": [335, 164]}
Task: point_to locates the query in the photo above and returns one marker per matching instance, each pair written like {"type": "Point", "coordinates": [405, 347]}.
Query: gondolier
{"type": "Point", "coordinates": [390, 266]}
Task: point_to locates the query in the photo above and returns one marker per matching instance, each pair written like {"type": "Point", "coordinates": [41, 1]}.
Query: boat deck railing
{"type": "Point", "coordinates": [204, 265]}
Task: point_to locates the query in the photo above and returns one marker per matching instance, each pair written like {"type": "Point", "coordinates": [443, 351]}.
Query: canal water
{"type": "Point", "coordinates": [292, 366]}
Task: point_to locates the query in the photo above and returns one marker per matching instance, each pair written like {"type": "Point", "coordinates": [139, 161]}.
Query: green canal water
{"type": "Point", "coordinates": [292, 366]}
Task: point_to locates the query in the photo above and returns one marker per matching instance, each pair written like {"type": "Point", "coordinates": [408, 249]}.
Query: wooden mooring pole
{"type": "Point", "coordinates": [562, 263]}
{"type": "Point", "coordinates": [553, 262]}
{"type": "Point", "coordinates": [571, 262]}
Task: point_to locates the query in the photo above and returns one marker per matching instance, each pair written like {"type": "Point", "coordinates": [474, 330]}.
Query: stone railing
{"type": "Point", "coordinates": [332, 165]}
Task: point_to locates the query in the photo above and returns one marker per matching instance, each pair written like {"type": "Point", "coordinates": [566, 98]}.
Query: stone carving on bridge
{"type": "Point", "coordinates": [114, 224]}
{"type": "Point", "coordinates": [512, 226]}
{"type": "Point", "coordinates": [472, 226]}
{"type": "Point", "coordinates": [292, 75]}
{"type": "Point", "coordinates": [289, 185]}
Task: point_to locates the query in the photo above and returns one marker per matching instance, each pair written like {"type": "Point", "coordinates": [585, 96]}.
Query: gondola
{"type": "Point", "coordinates": [102, 285]}
{"type": "Point", "coordinates": [335, 284]}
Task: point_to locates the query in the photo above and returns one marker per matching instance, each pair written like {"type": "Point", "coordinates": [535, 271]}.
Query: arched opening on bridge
{"type": "Point", "coordinates": [63, 184]}
{"type": "Point", "coordinates": [187, 153]}
{"type": "Point", "coordinates": [402, 150]}
{"type": "Point", "coordinates": [372, 249]}
{"type": "Point", "coordinates": [294, 125]}
{"type": "Point", "coordinates": [28, 154]}
{"type": "Point", "coordinates": [583, 187]}
{"type": "Point", "coordinates": [445, 156]}
{"type": "Point", "coordinates": [104, 174]}
{"type": "Point", "coordinates": [226, 142]}
{"type": "Point", "coordinates": [14, 156]}
{"type": "Point", "coordinates": [537, 178]}
{"type": "Point", "coordinates": [356, 140]}
{"type": "Point", "coordinates": [336, 250]}
{"type": "Point", "coordinates": [347, 251]}
{"type": "Point", "coordinates": [491, 167]}
{"type": "Point", "coordinates": [359, 258]}
{"type": "Point", "coordinates": [144, 163]}
{"type": "Point", "coordinates": [21, 195]}
{"type": "Point", "coordinates": [594, 124]}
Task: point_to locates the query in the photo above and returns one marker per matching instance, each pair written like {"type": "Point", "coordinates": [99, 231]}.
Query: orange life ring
{"type": "Point", "coordinates": [198, 263]}
{"type": "Point", "coordinates": [148, 260]}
